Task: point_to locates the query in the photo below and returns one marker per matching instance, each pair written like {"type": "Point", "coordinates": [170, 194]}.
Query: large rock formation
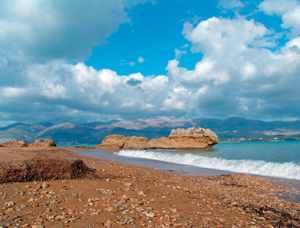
{"type": "Point", "coordinates": [191, 138]}
{"type": "Point", "coordinates": [120, 141]}
{"type": "Point", "coordinates": [20, 143]}
{"type": "Point", "coordinates": [43, 143]}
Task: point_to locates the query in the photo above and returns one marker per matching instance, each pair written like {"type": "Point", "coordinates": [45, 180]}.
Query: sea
{"type": "Point", "coordinates": [277, 159]}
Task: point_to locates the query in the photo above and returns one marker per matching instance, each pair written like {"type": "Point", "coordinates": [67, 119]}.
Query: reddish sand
{"type": "Point", "coordinates": [130, 196]}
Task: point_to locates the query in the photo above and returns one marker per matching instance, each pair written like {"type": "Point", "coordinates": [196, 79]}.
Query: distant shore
{"type": "Point", "coordinates": [135, 196]}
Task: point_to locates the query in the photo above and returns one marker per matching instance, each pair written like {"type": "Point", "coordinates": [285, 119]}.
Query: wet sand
{"type": "Point", "coordinates": [136, 196]}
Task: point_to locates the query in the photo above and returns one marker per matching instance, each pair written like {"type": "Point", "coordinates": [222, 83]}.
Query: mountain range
{"type": "Point", "coordinates": [234, 128]}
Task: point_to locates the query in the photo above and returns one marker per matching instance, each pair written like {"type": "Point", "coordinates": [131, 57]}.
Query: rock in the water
{"type": "Point", "coordinates": [20, 143]}
{"type": "Point", "coordinates": [120, 141]}
{"type": "Point", "coordinates": [113, 141]}
{"type": "Point", "coordinates": [200, 134]}
{"type": "Point", "coordinates": [191, 138]}
{"type": "Point", "coordinates": [43, 143]}
{"type": "Point", "coordinates": [135, 143]}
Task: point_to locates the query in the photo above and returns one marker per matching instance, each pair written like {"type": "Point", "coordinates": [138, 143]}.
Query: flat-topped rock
{"type": "Point", "coordinates": [15, 143]}
{"type": "Point", "coordinates": [120, 141]}
{"type": "Point", "coordinates": [43, 143]}
{"type": "Point", "coordinates": [135, 143]}
{"type": "Point", "coordinates": [191, 138]}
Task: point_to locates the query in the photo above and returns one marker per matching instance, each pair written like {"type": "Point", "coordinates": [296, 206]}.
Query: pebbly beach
{"type": "Point", "coordinates": [122, 195]}
{"type": "Point", "coordinates": [149, 114]}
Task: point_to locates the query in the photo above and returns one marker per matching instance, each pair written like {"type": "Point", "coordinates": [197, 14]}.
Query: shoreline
{"type": "Point", "coordinates": [106, 154]}
{"type": "Point", "coordinates": [165, 166]}
{"type": "Point", "coordinates": [187, 170]}
{"type": "Point", "coordinates": [135, 196]}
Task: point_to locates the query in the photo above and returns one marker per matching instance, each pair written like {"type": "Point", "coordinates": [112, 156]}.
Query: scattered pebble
{"type": "Point", "coordinates": [139, 197]}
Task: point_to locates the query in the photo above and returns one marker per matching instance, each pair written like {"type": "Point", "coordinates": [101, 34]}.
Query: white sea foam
{"type": "Point", "coordinates": [284, 170]}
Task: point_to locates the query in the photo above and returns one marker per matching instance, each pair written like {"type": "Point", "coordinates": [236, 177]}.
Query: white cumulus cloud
{"type": "Point", "coordinates": [277, 7]}
{"type": "Point", "coordinates": [288, 10]}
{"type": "Point", "coordinates": [239, 72]}
{"type": "Point", "coordinates": [33, 30]}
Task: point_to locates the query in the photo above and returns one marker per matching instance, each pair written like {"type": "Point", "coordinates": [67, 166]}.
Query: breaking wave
{"type": "Point", "coordinates": [287, 170]}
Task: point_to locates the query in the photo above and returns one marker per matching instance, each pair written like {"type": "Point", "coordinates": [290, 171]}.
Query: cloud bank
{"type": "Point", "coordinates": [33, 30]}
{"type": "Point", "coordinates": [243, 71]}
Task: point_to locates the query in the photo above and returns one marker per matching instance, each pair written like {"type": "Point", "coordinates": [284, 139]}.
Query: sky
{"type": "Point", "coordinates": [94, 60]}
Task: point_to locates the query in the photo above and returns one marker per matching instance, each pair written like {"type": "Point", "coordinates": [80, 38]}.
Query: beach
{"type": "Point", "coordinates": [124, 195]}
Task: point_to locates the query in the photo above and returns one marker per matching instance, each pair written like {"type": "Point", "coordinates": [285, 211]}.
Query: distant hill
{"type": "Point", "coordinates": [233, 128]}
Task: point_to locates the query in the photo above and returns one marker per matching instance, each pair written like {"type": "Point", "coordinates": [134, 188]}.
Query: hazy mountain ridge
{"type": "Point", "coordinates": [157, 122]}
{"type": "Point", "coordinates": [93, 132]}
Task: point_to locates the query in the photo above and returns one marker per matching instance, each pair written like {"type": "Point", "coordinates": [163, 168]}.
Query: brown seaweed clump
{"type": "Point", "coordinates": [41, 169]}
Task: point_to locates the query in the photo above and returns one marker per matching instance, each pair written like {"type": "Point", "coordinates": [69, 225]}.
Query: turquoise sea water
{"type": "Point", "coordinates": [282, 151]}
{"type": "Point", "coordinates": [275, 159]}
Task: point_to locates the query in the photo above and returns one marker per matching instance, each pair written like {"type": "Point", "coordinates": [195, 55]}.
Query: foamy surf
{"type": "Point", "coordinates": [287, 170]}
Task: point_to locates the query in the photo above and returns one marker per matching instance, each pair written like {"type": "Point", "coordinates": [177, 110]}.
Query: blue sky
{"type": "Point", "coordinates": [100, 60]}
{"type": "Point", "coordinates": [154, 33]}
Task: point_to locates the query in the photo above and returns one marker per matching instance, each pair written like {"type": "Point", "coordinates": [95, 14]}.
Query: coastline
{"type": "Point", "coordinates": [107, 154]}
{"type": "Point", "coordinates": [135, 196]}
